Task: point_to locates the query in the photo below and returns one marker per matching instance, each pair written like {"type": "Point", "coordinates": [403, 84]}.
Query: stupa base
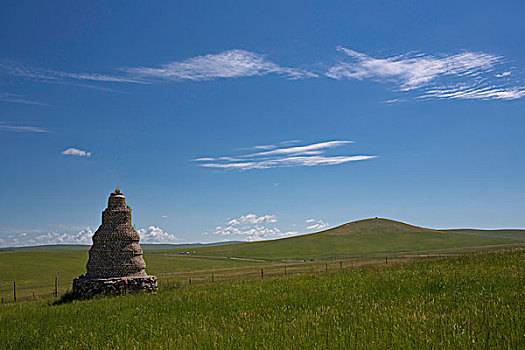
{"type": "Point", "coordinates": [89, 287]}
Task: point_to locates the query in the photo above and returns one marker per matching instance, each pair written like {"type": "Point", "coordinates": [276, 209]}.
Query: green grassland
{"type": "Point", "coordinates": [34, 268]}
{"type": "Point", "coordinates": [370, 236]}
{"type": "Point", "coordinates": [469, 301]}
{"type": "Point", "coordinates": [35, 272]}
{"type": "Point", "coordinates": [516, 234]}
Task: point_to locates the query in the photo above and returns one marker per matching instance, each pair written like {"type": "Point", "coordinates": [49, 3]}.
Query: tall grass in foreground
{"type": "Point", "coordinates": [474, 301]}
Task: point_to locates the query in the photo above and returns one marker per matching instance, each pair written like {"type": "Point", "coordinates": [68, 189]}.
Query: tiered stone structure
{"type": "Point", "coordinates": [115, 264]}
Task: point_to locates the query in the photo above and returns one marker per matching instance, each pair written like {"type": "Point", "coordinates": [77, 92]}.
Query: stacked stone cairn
{"type": "Point", "coordinates": [115, 264]}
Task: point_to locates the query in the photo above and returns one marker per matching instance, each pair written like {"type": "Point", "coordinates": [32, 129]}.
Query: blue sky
{"type": "Point", "coordinates": [246, 121]}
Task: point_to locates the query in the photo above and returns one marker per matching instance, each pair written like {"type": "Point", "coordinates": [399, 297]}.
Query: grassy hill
{"type": "Point", "coordinates": [369, 237]}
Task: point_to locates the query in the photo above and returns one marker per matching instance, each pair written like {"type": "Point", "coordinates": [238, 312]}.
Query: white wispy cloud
{"type": "Point", "coordinates": [16, 98]}
{"type": "Point", "coordinates": [76, 152]}
{"type": "Point", "coordinates": [316, 148]}
{"type": "Point", "coordinates": [154, 234]}
{"type": "Point", "coordinates": [434, 76]}
{"type": "Point", "coordinates": [48, 75]}
{"type": "Point", "coordinates": [20, 128]}
{"type": "Point", "coordinates": [227, 64]}
{"type": "Point", "coordinates": [412, 71]}
{"type": "Point", "coordinates": [392, 101]}
{"type": "Point", "coordinates": [307, 155]}
{"type": "Point", "coordinates": [418, 73]}
{"type": "Point", "coordinates": [251, 227]}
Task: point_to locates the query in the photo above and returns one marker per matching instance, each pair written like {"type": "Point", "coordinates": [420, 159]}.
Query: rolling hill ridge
{"type": "Point", "coordinates": [368, 236]}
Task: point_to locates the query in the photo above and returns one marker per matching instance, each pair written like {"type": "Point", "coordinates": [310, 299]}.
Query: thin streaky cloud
{"type": "Point", "coordinates": [16, 98]}
{"type": "Point", "coordinates": [204, 159]}
{"type": "Point", "coordinates": [48, 75]}
{"type": "Point", "coordinates": [308, 155]}
{"type": "Point", "coordinates": [482, 93]}
{"type": "Point", "coordinates": [228, 64]}
{"type": "Point", "coordinates": [392, 101]}
{"type": "Point", "coordinates": [312, 149]}
{"type": "Point", "coordinates": [288, 162]}
{"type": "Point", "coordinates": [265, 147]}
{"type": "Point", "coordinates": [290, 142]}
{"type": "Point", "coordinates": [20, 128]}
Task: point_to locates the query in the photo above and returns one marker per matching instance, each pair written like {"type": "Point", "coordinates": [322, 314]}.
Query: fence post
{"type": "Point", "coordinates": [212, 278]}
{"type": "Point", "coordinates": [14, 290]}
{"type": "Point", "coordinates": [190, 281]}
{"type": "Point", "coordinates": [341, 264]}
{"type": "Point", "coordinates": [325, 267]}
{"type": "Point", "coordinates": [262, 273]}
{"type": "Point", "coordinates": [34, 295]}
{"type": "Point", "coordinates": [386, 260]}
{"type": "Point", "coordinates": [285, 270]}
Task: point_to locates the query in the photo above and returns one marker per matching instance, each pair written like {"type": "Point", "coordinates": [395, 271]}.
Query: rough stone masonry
{"type": "Point", "coordinates": [115, 264]}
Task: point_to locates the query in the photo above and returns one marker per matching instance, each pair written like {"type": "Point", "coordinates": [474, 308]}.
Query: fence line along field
{"type": "Point", "coordinates": [474, 300]}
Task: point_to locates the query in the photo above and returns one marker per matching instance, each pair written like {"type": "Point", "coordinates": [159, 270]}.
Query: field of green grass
{"type": "Point", "coordinates": [35, 272]}
{"type": "Point", "coordinates": [468, 301]}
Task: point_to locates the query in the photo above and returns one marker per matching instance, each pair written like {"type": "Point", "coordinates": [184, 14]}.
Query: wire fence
{"type": "Point", "coordinates": [28, 290]}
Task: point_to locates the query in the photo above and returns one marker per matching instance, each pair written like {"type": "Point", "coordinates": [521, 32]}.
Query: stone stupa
{"type": "Point", "coordinates": [115, 264]}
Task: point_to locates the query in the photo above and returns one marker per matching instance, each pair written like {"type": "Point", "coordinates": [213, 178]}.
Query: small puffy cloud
{"type": "Point", "coordinates": [82, 237]}
{"type": "Point", "coordinates": [251, 227]}
{"type": "Point", "coordinates": [154, 234]}
{"type": "Point", "coordinates": [254, 219]}
{"type": "Point", "coordinates": [502, 75]}
{"type": "Point", "coordinates": [76, 152]}
{"type": "Point", "coordinates": [316, 224]}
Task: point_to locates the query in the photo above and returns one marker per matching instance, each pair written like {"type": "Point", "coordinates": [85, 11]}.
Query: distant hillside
{"type": "Point", "coordinates": [369, 236]}
{"type": "Point", "coordinates": [509, 233]}
{"type": "Point", "coordinates": [79, 247]}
